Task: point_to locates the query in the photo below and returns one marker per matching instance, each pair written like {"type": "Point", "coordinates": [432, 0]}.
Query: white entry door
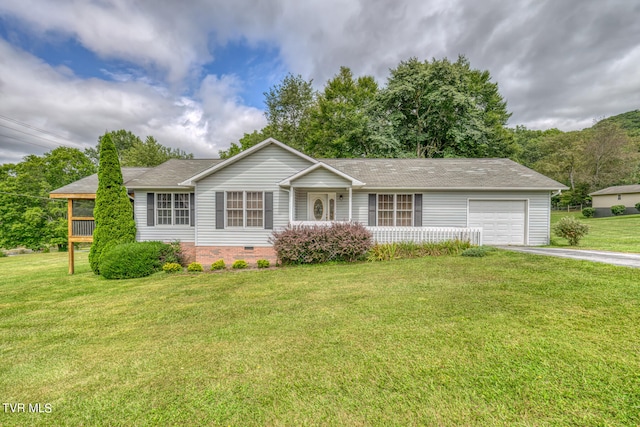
{"type": "Point", "coordinates": [321, 206]}
{"type": "Point", "coordinates": [503, 222]}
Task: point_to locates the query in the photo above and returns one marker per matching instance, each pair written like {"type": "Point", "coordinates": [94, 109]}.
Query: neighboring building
{"type": "Point", "coordinates": [627, 195]}
{"type": "Point", "coordinates": [229, 208]}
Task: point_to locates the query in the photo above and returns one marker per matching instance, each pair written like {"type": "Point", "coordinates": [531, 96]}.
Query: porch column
{"type": "Point", "coordinates": [69, 234]}
{"type": "Point", "coordinates": [350, 202]}
{"type": "Point", "coordinates": [291, 204]}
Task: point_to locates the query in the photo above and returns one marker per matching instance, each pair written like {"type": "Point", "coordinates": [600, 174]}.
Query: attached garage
{"type": "Point", "coordinates": [503, 222]}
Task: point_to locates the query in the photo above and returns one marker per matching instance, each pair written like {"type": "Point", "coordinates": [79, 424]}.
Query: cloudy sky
{"type": "Point", "coordinates": [193, 73]}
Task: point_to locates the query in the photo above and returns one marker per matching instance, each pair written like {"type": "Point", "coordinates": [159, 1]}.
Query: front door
{"type": "Point", "coordinates": [321, 207]}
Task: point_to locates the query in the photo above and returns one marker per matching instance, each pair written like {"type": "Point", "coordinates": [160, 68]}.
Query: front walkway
{"type": "Point", "coordinates": [614, 258]}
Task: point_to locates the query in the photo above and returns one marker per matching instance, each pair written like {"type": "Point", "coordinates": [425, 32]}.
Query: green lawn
{"type": "Point", "coordinates": [619, 233]}
{"type": "Point", "coordinates": [509, 339]}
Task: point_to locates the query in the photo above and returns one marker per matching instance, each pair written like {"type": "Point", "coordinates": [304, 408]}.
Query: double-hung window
{"type": "Point", "coordinates": [172, 208]}
{"type": "Point", "coordinates": [395, 210]}
{"type": "Point", "coordinates": [245, 209]}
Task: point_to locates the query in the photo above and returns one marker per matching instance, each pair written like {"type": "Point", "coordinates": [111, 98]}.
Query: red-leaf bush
{"type": "Point", "coordinates": [316, 244]}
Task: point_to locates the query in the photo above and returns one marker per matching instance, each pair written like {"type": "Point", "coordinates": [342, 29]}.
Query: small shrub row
{"type": "Point", "coordinates": [195, 267]}
{"type": "Point", "coordinates": [218, 265]}
{"type": "Point", "coordinates": [312, 245]}
{"type": "Point", "coordinates": [172, 267]}
{"type": "Point", "coordinates": [618, 209]}
{"type": "Point", "coordinates": [390, 251]}
{"type": "Point", "coordinates": [263, 263]}
{"type": "Point", "coordinates": [239, 264]}
{"type": "Point", "coordinates": [136, 259]}
{"type": "Point", "coordinates": [638, 206]}
{"type": "Point", "coordinates": [571, 229]}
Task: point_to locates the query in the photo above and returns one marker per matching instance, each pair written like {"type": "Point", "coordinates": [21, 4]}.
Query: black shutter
{"type": "Point", "coordinates": [219, 210]}
{"type": "Point", "coordinates": [373, 201]}
{"type": "Point", "coordinates": [192, 209]}
{"type": "Point", "coordinates": [268, 210]}
{"type": "Point", "coordinates": [151, 201]}
{"type": "Point", "coordinates": [417, 210]}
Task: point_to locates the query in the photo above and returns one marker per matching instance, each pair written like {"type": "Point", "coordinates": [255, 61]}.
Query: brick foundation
{"type": "Point", "coordinates": [207, 255]}
{"type": "Point", "coordinates": [188, 251]}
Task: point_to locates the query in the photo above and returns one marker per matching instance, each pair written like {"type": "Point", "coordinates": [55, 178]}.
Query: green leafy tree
{"type": "Point", "coordinates": [343, 121]}
{"type": "Point", "coordinates": [28, 217]}
{"type": "Point", "coordinates": [122, 139]}
{"type": "Point", "coordinates": [288, 104]}
{"type": "Point", "coordinates": [442, 109]}
{"type": "Point", "coordinates": [247, 141]}
{"type": "Point", "coordinates": [150, 153]}
{"type": "Point", "coordinates": [113, 212]}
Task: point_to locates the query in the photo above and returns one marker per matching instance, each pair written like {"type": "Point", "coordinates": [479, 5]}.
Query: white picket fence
{"type": "Point", "coordinates": [425, 234]}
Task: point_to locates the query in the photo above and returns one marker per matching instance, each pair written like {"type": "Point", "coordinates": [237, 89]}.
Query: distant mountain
{"type": "Point", "coordinates": [629, 121]}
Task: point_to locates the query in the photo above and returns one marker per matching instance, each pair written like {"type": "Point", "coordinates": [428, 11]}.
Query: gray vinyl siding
{"type": "Point", "coordinates": [261, 171]}
{"type": "Point", "coordinates": [301, 200]}
{"type": "Point", "coordinates": [321, 178]}
{"type": "Point", "coordinates": [165, 233]}
{"type": "Point", "coordinates": [449, 209]}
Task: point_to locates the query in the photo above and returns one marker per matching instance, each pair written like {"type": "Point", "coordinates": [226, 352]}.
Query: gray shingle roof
{"type": "Point", "coordinates": [166, 175]}
{"type": "Point", "coordinates": [617, 189]}
{"type": "Point", "coordinates": [375, 173]}
{"type": "Point", "coordinates": [444, 173]}
{"type": "Point", "coordinates": [171, 173]}
{"type": "Point", "coordinates": [89, 184]}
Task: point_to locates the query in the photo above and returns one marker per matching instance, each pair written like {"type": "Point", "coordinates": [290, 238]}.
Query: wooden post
{"type": "Point", "coordinates": [69, 234]}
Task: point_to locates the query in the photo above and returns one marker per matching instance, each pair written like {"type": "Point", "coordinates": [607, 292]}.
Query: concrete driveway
{"type": "Point", "coordinates": [615, 258]}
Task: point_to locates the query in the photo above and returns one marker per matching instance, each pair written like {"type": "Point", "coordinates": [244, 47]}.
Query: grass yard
{"type": "Point", "coordinates": [509, 339]}
{"type": "Point", "coordinates": [617, 233]}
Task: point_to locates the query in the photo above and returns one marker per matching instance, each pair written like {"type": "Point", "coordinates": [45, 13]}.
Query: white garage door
{"type": "Point", "coordinates": [502, 221]}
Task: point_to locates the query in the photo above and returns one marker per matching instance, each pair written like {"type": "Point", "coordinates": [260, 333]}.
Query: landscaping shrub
{"type": "Point", "coordinates": [195, 267]}
{"type": "Point", "coordinates": [588, 212]}
{"type": "Point", "coordinates": [240, 264]}
{"type": "Point", "coordinates": [618, 209]}
{"type": "Point", "coordinates": [263, 263]}
{"type": "Point", "coordinates": [475, 252]}
{"type": "Point", "coordinates": [312, 245]}
{"type": "Point", "coordinates": [638, 206]}
{"type": "Point", "coordinates": [113, 211]}
{"type": "Point", "coordinates": [2, 254]}
{"type": "Point", "coordinates": [570, 229]}
{"type": "Point", "coordinates": [176, 255]}
{"type": "Point", "coordinates": [172, 267]}
{"type": "Point", "coordinates": [383, 252]}
{"type": "Point", "coordinates": [218, 265]}
{"type": "Point", "coordinates": [403, 250]}
{"type": "Point", "coordinates": [132, 260]}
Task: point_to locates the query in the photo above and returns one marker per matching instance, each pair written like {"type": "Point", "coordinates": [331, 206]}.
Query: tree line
{"type": "Point", "coordinates": [28, 218]}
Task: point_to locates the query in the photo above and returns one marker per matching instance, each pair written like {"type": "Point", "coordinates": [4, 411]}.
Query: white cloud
{"type": "Point", "coordinates": [82, 110]}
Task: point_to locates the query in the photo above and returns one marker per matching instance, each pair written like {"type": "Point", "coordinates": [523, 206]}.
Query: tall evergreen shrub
{"type": "Point", "coordinates": [113, 212]}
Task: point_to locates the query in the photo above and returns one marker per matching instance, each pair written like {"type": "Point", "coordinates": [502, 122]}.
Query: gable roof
{"type": "Point", "coordinates": [89, 184]}
{"type": "Point", "coordinates": [445, 174]}
{"type": "Point", "coordinates": [231, 160]}
{"type": "Point", "coordinates": [354, 182]}
{"type": "Point", "coordinates": [617, 189]}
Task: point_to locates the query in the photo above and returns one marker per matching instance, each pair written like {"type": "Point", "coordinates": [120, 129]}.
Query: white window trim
{"type": "Point", "coordinates": [395, 208]}
{"type": "Point", "coordinates": [173, 210]}
{"type": "Point", "coordinates": [244, 210]}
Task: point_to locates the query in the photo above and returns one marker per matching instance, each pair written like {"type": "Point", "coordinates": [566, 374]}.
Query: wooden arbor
{"type": "Point", "coordinates": [80, 221]}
